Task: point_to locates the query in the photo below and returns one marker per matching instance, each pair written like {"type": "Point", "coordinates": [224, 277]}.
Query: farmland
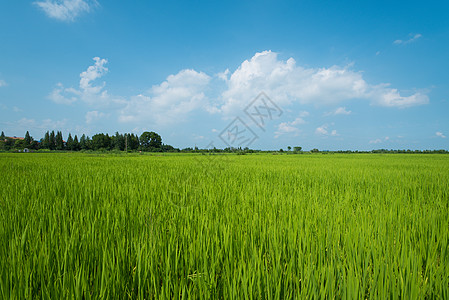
{"type": "Point", "coordinates": [224, 226]}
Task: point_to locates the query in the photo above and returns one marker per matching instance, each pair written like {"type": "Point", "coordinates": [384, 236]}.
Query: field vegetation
{"type": "Point", "coordinates": [256, 226]}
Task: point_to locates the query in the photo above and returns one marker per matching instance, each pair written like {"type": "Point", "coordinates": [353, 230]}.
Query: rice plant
{"type": "Point", "coordinates": [227, 227]}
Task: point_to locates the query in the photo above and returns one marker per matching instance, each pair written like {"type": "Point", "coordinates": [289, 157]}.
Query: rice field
{"type": "Point", "coordinates": [257, 226]}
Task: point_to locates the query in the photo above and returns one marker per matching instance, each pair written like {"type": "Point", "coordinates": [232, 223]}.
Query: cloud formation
{"type": "Point", "coordinates": [169, 102]}
{"type": "Point", "coordinates": [87, 91]}
{"type": "Point", "coordinates": [287, 82]}
{"type": "Point", "coordinates": [291, 127]}
{"type": "Point", "coordinates": [2, 83]}
{"type": "Point", "coordinates": [410, 40]}
{"type": "Point", "coordinates": [440, 134]}
{"type": "Point", "coordinates": [323, 130]}
{"type": "Point", "coordinates": [228, 93]}
{"type": "Point", "coordinates": [65, 10]}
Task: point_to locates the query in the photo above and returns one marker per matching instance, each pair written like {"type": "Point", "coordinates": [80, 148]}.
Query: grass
{"type": "Point", "coordinates": [224, 226]}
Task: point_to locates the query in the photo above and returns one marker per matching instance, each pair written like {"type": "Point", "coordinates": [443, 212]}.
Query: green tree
{"type": "Point", "coordinates": [118, 141]}
{"type": "Point", "coordinates": [69, 143]}
{"type": "Point", "coordinates": [289, 148]}
{"type": "Point", "coordinates": [150, 141]}
{"type": "Point", "coordinates": [59, 141]}
{"type": "Point", "coordinates": [76, 144]}
{"type": "Point", "coordinates": [27, 140]}
{"type": "Point", "coordinates": [133, 142]}
{"type": "Point", "coordinates": [101, 141]}
{"type": "Point", "coordinates": [45, 142]}
{"type": "Point", "coordinates": [52, 144]}
{"type": "Point", "coordinates": [83, 143]}
{"type": "Point", "coordinates": [297, 149]}
{"type": "Point", "coordinates": [2, 137]}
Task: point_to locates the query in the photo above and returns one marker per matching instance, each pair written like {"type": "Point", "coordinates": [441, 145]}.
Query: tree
{"type": "Point", "coordinates": [118, 141]}
{"type": "Point", "coordinates": [150, 141]}
{"type": "Point", "coordinates": [45, 142]}
{"type": "Point", "coordinates": [289, 148]}
{"type": "Point", "coordinates": [83, 144]}
{"type": "Point", "coordinates": [297, 149]}
{"type": "Point", "coordinates": [59, 141]}
{"type": "Point", "coordinates": [52, 144]}
{"type": "Point", "coordinates": [133, 142]}
{"type": "Point", "coordinates": [101, 141]}
{"type": "Point", "coordinates": [69, 144]}
{"type": "Point", "coordinates": [76, 144]}
{"type": "Point", "coordinates": [28, 139]}
{"type": "Point", "coordinates": [315, 150]}
{"type": "Point", "coordinates": [2, 136]}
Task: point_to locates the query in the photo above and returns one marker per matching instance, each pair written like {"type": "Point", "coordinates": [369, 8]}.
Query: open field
{"type": "Point", "coordinates": [233, 226]}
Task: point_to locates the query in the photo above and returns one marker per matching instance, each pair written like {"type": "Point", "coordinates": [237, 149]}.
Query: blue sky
{"type": "Point", "coordinates": [335, 74]}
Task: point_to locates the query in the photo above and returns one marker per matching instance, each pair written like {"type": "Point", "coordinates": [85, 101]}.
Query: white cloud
{"type": "Point", "coordinates": [339, 111]}
{"type": "Point", "coordinates": [290, 127]}
{"type": "Point", "coordinates": [169, 102]}
{"type": "Point", "coordinates": [95, 95]}
{"type": "Point", "coordinates": [376, 141]}
{"type": "Point", "coordinates": [92, 116]}
{"type": "Point", "coordinates": [65, 10]}
{"type": "Point", "coordinates": [57, 95]}
{"type": "Point", "coordinates": [321, 130]}
{"type": "Point", "coordinates": [392, 98]}
{"type": "Point", "coordinates": [412, 39]}
{"type": "Point", "coordinates": [285, 82]}
{"type": "Point", "coordinates": [324, 130]}
{"type": "Point", "coordinates": [2, 83]}
{"type": "Point", "coordinates": [25, 124]}
{"type": "Point", "coordinates": [440, 134]}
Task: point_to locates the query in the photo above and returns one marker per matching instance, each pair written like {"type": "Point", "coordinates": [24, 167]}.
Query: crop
{"type": "Point", "coordinates": [224, 226]}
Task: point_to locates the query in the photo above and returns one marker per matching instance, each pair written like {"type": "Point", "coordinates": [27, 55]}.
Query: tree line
{"type": "Point", "coordinates": [147, 141]}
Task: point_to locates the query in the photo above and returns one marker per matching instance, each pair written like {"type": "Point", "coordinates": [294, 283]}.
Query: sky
{"type": "Point", "coordinates": [332, 75]}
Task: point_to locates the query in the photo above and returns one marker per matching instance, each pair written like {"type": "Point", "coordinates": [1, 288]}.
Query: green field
{"type": "Point", "coordinates": [224, 226]}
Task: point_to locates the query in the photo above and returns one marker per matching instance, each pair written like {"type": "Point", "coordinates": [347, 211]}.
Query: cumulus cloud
{"type": "Point", "coordinates": [376, 141]}
{"type": "Point", "coordinates": [323, 130]}
{"type": "Point", "coordinates": [169, 102]}
{"type": "Point", "coordinates": [291, 127]}
{"type": "Point", "coordinates": [339, 111]}
{"type": "Point", "coordinates": [2, 83]}
{"type": "Point", "coordinates": [286, 82]}
{"type": "Point", "coordinates": [65, 10]}
{"type": "Point", "coordinates": [412, 39]}
{"type": "Point", "coordinates": [92, 116]}
{"type": "Point", "coordinates": [189, 91]}
{"type": "Point", "coordinates": [87, 92]}
{"type": "Point", "coordinates": [440, 134]}
{"type": "Point", "coordinates": [25, 124]}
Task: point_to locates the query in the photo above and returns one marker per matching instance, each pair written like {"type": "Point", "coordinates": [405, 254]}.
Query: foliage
{"type": "Point", "coordinates": [224, 226]}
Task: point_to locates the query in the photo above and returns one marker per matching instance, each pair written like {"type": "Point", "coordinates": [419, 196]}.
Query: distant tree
{"type": "Point", "coordinates": [118, 141]}
{"type": "Point", "coordinates": [52, 144]}
{"type": "Point", "coordinates": [101, 141]}
{"type": "Point", "coordinates": [76, 144]}
{"type": "Point", "coordinates": [2, 136]}
{"type": "Point", "coordinates": [281, 150]}
{"type": "Point", "coordinates": [45, 142]}
{"type": "Point", "coordinates": [289, 148]}
{"type": "Point", "coordinates": [83, 143]}
{"type": "Point", "coordinates": [133, 142]}
{"type": "Point", "coordinates": [59, 141]}
{"type": "Point", "coordinates": [28, 139]}
{"type": "Point", "coordinates": [19, 144]}
{"type": "Point", "coordinates": [150, 141]}
{"type": "Point", "coordinates": [314, 150]}
{"type": "Point", "coordinates": [297, 149]}
{"type": "Point", "coordinates": [69, 143]}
